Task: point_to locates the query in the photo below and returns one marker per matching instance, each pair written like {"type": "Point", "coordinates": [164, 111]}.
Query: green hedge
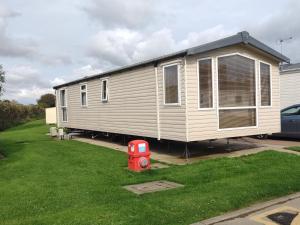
{"type": "Point", "coordinates": [13, 113]}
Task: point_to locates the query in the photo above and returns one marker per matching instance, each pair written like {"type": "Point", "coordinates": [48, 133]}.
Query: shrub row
{"type": "Point", "coordinates": [13, 113]}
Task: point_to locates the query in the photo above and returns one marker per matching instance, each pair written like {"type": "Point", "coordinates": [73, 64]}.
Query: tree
{"type": "Point", "coordinates": [2, 80]}
{"type": "Point", "coordinates": [46, 101]}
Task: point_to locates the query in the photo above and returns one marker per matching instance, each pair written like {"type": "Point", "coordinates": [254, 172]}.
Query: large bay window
{"type": "Point", "coordinates": [63, 105]}
{"type": "Point", "coordinates": [171, 85]}
{"type": "Point", "coordinates": [265, 84]}
{"type": "Point", "coordinates": [205, 83]}
{"type": "Point", "coordinates": [237, 91]}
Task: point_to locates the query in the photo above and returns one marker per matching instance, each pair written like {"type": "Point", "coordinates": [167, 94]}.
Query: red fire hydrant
{"type": "Point", "coordinates": [138, 155]}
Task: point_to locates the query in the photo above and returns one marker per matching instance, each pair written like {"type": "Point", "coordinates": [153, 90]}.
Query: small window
{"type": "Point", "coordinates": [83, 95]}
{"type": "Point", "coordinates": [63, 98]}
{"type": "Point", "coordinates": [265, 84]}
{"type": "Point", "coordinates": [104, 92]}
{"type": "Point", "coordinates": [205, 83]}
{"type": "Point", "coordinates": [63, 106]}
{"type": "Point", "coordinates": [64, 114]}
{"type": "Point", "coordinates": [171, 84]}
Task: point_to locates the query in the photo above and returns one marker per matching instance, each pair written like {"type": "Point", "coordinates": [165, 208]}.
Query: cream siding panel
{"type": "Point", "coordinates": [289, 89]}
{"type": "Point", "coordinates": [203, 124]}
{"type": "Point", "coordinates": [131, 106]}
{"type": "Point", "coordinates": [172, 117]}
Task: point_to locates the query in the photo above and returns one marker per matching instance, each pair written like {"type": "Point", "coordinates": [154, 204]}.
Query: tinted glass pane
{"type": "Point", "coordinates": [83, 98]}
{"type": "Point", "coordinates": [232, 118]}
{"type": "Point", "coordinates": [64, 114]}
{"type": "Point", "coordinates": [171, 84]}
{"type": "Point", "coordinates": [205, 84]}
{"type": "Point", "coordinates": [236, 81]}
{"type": "Point", "coordinates": [291, 111]}
{"type": "Point", "coordinates": [265, 84]}
{"type": "Point", "coordinates": [62, 97]}
{"type": "Point", "coordinates": [104, 90]}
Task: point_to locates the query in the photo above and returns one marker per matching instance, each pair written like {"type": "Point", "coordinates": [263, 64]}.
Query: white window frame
{"type": "Point", "coordinates": [218, 108]}
{"type": "Point", "coordinates": [213, 82]}
{"type": "Point", "coordinates": [63, 106]}
{"type": "Point", "coordinates": [86, 94]}
{"type": "Point", "coordinates": [107, 89]}
{"type": "Point", "coordinates": [271, 97]}
{"type": "Point", "coordinates": [178, 86]}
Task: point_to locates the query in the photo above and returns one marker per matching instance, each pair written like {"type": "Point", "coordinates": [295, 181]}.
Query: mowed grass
{"type": "Point", "coordinates": [46, 181]}
{"type": "Point", "coordinates": [294, 148]}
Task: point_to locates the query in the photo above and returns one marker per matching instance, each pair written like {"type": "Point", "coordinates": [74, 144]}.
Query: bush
{"type": "Point", "coordinates": [13, 113]}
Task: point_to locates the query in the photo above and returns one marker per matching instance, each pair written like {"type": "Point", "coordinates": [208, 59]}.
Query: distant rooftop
{"type": "Point", "coordinates": [290, 67]}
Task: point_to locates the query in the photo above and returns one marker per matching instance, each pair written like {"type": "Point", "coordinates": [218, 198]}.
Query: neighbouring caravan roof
{"type": "Point", "coordinates": [240, 38]}
{"type": "Point", "coordinates": [289, 68]}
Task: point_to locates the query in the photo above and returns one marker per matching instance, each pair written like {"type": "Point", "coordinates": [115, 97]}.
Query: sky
{"type": "Point", "coordinates": [46, 43]}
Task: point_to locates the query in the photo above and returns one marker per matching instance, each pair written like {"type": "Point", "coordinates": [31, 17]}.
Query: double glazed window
{"type": "Point", "coordinates": [83, 95]}
{"type": "Point", "coordinates": [205, 83]}
{"type": "Point", "coordinates": [237, 92]}
{"type": "Point", "coordinates": [104, 92]}
{"type": "Point", "coordinates": [63, 105]}
{"type": "Point", "coordinates": [265, 84]}
{"type": "Point", "coordinates": [171, 84]}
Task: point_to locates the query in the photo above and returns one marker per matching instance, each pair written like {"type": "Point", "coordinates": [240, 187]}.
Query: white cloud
{"type": "Point", "coordinates": [123, 46]}
{"type": "Point", "coordinates": [124, 14]}
{"type": "Point", "coordinates": [25, 84]}
{"type": "Point", "coordinates": [87, 70]}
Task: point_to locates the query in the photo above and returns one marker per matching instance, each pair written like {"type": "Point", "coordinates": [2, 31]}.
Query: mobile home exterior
{"type": "Point", "coordinates": [222, 89]}
{"type": "Point", "coordinates": [289, 85]}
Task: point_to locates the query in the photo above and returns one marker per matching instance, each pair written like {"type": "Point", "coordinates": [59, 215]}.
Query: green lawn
{"type": "Point", "coordinates": [294, 148]}
{"type": "Point", "coordinates": [45, 181]}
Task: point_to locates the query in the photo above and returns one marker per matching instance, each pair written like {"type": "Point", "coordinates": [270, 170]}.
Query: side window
{"type": "Point", "coordinates": [205, 83]}
{"type": "Point", "coordinates": [291, 111]}
{"type": "Point", "coordinates": [63, 105]}
{"type": "Point", "coordinates": [83, 95]}
{"type": "Point", "coordinates": [104, 90]}
{"type": "Point", "coordinates": [265, 84]}
{"type": "Point", "coordinates": [171, 84]}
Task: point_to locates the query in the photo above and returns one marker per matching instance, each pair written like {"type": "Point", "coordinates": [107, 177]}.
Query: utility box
{"type": "Point", "coordinates": [53, 131]}
{"type": "Point", "coordinates": [138, 155]}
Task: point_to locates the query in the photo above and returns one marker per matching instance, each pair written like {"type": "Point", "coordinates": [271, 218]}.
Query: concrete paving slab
{"type": "Point", "coordinates": [256, 214]}
{"type": "Point", "coordinates": [173, 153]}
{"type": "Point", "coordinates": [153, 186]}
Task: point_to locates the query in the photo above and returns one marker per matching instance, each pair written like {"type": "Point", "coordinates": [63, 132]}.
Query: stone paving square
{"type": "Point", "coordinates": [153, 186]}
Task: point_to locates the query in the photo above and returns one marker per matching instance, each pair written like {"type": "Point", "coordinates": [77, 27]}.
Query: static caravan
{"type": "Point", "coordinates": [289, 85]}
{"type": "Point", "coordinates": [223, 89]}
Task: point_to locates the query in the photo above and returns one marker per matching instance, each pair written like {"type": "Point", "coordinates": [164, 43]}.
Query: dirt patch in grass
{"type": "Point", "coordinates": [1, 156]}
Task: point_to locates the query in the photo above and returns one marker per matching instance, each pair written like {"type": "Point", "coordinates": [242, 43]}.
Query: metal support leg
{"type": "Point", "coordinates": [228, 146]}
{"type": "Point", "coordinates": [186, 152]}
{"type": "Point", "coordinates": [210, 146]}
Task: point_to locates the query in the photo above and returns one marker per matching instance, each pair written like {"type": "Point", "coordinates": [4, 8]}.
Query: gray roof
{"type": "Point", "coordinates": [240, 38]}
{"type": "Point", "coordinates": [290, 67]}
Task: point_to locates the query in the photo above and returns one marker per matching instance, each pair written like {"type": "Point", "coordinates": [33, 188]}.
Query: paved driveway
{"type": "Point", "coordinates": [282, 211]}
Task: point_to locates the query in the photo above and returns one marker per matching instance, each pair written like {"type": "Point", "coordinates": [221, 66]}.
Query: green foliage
{"type": "Point", "coordinates": [46, 181]}
{"type": "Point", "coordinates": [13, 113]}
{"type": "Point", "coordinates": [46, 101]}
{"type": "Point", "coordinates": [2, 80]}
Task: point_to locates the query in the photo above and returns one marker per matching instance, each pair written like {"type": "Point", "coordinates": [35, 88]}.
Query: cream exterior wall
{"type": "Point", "coordinates": [136, 103]}
{"type": "Point", "coordinates": [289, 88]}
{"type": "Point", "coordinates": [203, 124]}
{"type": "Point", "coordinates": [50, 115]}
